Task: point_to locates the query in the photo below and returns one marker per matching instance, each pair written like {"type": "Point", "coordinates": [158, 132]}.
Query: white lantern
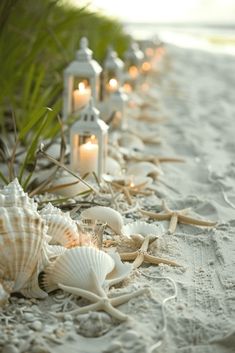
{"type": "Point", "coordinates": [117, 108]}
{"type": "Point", "coordinates": [81, 80]}
{"type": "Point", "coordinates": [112, 72]}
{"type": "Point", "coordinates": [133, 59]}
{"type": "Point", "coordinates": [88, 141]}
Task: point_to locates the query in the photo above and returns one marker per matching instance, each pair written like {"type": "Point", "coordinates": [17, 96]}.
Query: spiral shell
{"type": "Point", "coordinates": [23, 239]}
{"type": "Point", "coordinates": [61, 228]}
{"type": "Point", "coordinates": [73, 269]}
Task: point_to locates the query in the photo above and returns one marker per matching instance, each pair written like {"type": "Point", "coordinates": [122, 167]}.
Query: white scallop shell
{"type": "Point", "coordinates": [69, 186]}
{"type": "Point", "coordinates": [120, 272]}
{"type": "Point", "coordinates": [61, 228]}
{"type": "Point", "coordinates": [144, 169]}
{"type": "Point", "coordinates": [142, 228]}
{"type": "Point", "coordinates": [73, 269]}
{"type": "Point", "coordinates": [106, 215]}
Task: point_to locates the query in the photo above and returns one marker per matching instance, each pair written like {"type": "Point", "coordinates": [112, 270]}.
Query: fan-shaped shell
{"type": "Point", "coordinates": [73, 268]}
{"type": "Point", "coordinates": [131, 141]}
{"type": "Point", "coordinates": [62, 229]}
{"type": "Point", "coordinates": [144, 169]}
{"type": "Point", "coordinates": [142, 228]}
{"type": "Point", "coordinates": [106, 215]}
{"type": "Point", "coordinates": [120, 271]}
{"type": "Point", "coordinates": [113, 167]}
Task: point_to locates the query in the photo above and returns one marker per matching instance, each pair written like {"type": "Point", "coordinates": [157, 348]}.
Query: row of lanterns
{"type": "Point", "coordinates": [84, 91]}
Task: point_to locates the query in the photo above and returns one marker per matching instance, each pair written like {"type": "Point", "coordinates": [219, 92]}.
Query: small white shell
{"type": "Point", "coordinates": [131, 141]}
{"type": "Point", "coordinates": [73, 268]}
{"type": "Point", "coordinates": [113, 167]}
{"type": "Point", "coordinates": [106, 215]}
{"type": "Point", "coordinates": [69, 186]}
{"type": "Point", "coordinates": [144, 169]}
{"type": "Point", "coordinates": [62, 229]}
{"type": "Point", "coordinates": [142, 228]}
{"type": "Point", "coordinates": [120, 272]}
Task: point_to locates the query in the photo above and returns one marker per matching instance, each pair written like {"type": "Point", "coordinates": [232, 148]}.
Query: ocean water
{"type": "Point", "coordinates": [216, 37]}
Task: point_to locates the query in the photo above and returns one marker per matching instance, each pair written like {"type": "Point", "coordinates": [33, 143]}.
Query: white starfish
{"type": "Point", "coordinates": [100, 301]}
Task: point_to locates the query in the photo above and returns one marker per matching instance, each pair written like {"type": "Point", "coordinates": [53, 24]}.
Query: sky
{"type": "Point", "coordinates": [165, 10]}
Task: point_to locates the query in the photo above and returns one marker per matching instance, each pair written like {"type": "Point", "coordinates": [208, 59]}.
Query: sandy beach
{"type": "Point", "coordinates": [195, 95]}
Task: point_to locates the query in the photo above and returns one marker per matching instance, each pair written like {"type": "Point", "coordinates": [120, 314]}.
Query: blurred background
{"type": "Point", "coordinates": [206, 24]}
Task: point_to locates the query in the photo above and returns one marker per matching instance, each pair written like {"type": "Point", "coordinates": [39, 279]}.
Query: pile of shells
{"type": "Point", "coordinates": [49, 241]}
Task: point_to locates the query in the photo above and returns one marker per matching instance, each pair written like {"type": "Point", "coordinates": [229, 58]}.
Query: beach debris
{"type": "Point", "coordinates": [104, 214]}
{"type": "Point", "coordinates": [175, 217]}
{"type": "Point", "coordinates": [94, 324]}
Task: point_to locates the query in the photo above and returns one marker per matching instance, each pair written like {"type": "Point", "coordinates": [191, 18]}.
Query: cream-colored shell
{"type": "Point", "coordinates": [74, 268]}
{"type": "Point", "coordinates": [69, 186]}
{"type": "Point", "coordinates": [106, 215]}
{"type": "Point", "coordinates": [142, 228]}
{"type": "Point", "coordinates": [61, 228]}
{"type": "Point", "coordinates": [144, 169]}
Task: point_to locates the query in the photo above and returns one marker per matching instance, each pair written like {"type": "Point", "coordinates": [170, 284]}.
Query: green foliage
{"type": "Point", "coordinates": [37, 41]}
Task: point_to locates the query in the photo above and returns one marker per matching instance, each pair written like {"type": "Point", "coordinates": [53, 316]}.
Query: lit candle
{"type": "Point", "coordinates": [81, 96]}
{"type": "Point", "coordinates": [112, 85]}
{"type": "Point", "coordinates": [88, 154]}
{"type": "Point", "coordinates": [133, 72]}
{"type": "Point", "coordinates": [127, 88]}
{"type": "Point", "coordinates": [146, 67]}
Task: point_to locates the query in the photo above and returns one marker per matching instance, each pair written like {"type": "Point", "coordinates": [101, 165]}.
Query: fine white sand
{"type": "Point", "coordinates": [196, 91]}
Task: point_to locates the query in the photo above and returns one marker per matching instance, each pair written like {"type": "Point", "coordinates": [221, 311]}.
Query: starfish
{"type": "Point", "coordinates": [141, 255]}
{"type": "Point", "coordinates": [129, 189]}
{"type": "Point", "coordinates": [175, 217]}
{"type": "Point", "coordinates": [100, 300]}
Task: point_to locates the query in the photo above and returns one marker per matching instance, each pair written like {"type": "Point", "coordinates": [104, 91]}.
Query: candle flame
{"type": "Point", "coordinates": [81, 86]}
{"type": "Point", "coordinates": [113, 83]}
{"type": "Point", "coordinates": [149, 52]}
{"type": "Point", "coordinates": [127, 87]}
{"type": "Point", "coordinates": [133, 71]}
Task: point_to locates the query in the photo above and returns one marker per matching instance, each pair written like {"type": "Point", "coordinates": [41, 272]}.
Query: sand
{"type": "Point", "coordinates": [196, 93]}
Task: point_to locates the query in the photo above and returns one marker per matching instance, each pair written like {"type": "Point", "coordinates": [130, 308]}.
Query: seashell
{"type": "Point", "coordinates": [114, 153]}
{"type": "Point", "coordinates": [142, 228]}
{"type": "Point", "coordinates": [131, 142]}
{"type": "Point", "coordinates": [73, 268]}
{"type": "Point", "coordinates": [23, 239]}
{"type": "Point", "coordinates": [106, 215]}
{"type": "Point", "coordinates": [62, 229]}
{"type": "Point", "coordinates": [113, 167]}
{"type": "Point", "coordinates": [144, 169]}
{"type": "Point", "coordinates": [14, 195]}
{"type": "Point", "coordinates": [120, 272]}
{"type": "Point", "coordinates": [94, 324]}
{"type": "Point", "coordinates": [68, 186]}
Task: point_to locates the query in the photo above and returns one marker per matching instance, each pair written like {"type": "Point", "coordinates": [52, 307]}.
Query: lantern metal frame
{"type": "Point", "coordinates": [87, 126]}
{"type": "Point", "coordinates": [83, 67]}
{"type": "Point", "coordinates": [112, 69]}
{"type": "Point", "coordinates": [133, 58]}
{"type": "Point", "coordinates": [117, 106]}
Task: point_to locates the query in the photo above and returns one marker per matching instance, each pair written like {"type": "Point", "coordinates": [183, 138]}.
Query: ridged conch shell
{"type": "Point", "coordinates": [61, 228]}
{"type": "Point", "coordinates": [23, 239]}
{"type": "Point", "coordinates": [144, 169]}
{"type": "Point", "coordinates": [73, 269]}
{"type": "Point", "coordinates": [106, 215]}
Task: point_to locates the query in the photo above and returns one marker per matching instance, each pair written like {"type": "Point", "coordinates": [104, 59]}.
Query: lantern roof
{"type": "Point", "coordinates": [119, 96]}
{"type": "Point", "coordinates": [134, 53]}
{"type": "Point", "coordinates": [112, 61]}
{"type": "Point", "coordinates": [84, 64]}
{"type": "Point", "coordinates": [90, 120]}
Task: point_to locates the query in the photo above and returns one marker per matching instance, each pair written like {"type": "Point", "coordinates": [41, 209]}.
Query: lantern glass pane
{"type": "Point", "coordinates": [85, 154]}
{"type": "Point", "coordinates": [81, 93]}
